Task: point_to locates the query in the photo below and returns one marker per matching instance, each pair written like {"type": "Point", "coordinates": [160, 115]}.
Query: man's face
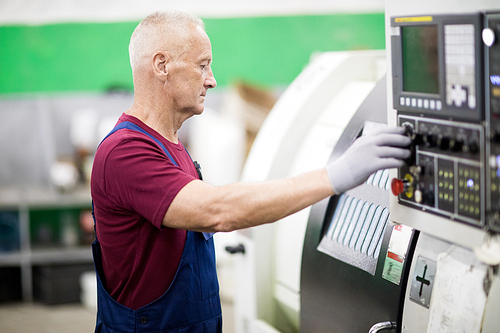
{"type": "Point", "coordinates": [190, 75]}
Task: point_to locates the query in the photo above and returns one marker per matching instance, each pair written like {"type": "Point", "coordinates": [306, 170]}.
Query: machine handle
{"type": "Point", "coordinates": [385, 325]}
{"type": "Point", "coordinates": [240, 248]}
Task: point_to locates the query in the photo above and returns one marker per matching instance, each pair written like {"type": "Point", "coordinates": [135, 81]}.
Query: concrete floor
{"type": "Point", "coordinates": [34, 317]}
{"type": "Point", "coordinates": [23, 317]}
{"type": "Point", "coordinates": [71, 318]}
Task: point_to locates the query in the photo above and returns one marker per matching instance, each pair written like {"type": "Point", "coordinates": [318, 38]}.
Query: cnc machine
{"type": "Point", "coordinates": [415, 249]}
{"type": "Point", "coordinates": [437, 270]}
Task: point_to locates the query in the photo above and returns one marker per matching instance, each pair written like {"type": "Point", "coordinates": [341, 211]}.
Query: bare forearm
{"type": "Point", "coordinates": [240, 205]}
{"type": "Point", "coordinates": [270, 201]}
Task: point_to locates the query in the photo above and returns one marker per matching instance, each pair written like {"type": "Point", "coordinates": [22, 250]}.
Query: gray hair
{"type": "Point", "coordinates": [147, 36]}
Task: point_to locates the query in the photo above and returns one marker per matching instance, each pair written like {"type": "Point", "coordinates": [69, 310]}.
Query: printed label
{"type": "Point", "coordinates": [396, 253]}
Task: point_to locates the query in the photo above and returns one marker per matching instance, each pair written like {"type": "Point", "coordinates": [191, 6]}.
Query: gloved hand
{"type": "Point", "coordinates": [379, 149]}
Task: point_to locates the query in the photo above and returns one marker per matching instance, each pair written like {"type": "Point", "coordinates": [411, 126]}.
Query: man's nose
{"type": "Point", "coordinates": [210, 81]}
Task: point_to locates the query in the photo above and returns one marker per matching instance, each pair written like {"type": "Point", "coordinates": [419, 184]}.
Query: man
{"type": "Point", "coordinates": [154, 255]}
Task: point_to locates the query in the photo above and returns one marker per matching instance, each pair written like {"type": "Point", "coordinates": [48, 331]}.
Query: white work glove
{"type": "Point", "coordinates": [379, 149]}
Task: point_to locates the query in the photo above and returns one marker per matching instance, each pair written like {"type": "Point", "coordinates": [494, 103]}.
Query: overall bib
{"type": "Point", "coordinates": [190, 305]}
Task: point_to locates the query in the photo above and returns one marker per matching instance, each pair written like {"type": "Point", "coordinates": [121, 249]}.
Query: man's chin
{"type": "Point", "coordinates": [199, 110]}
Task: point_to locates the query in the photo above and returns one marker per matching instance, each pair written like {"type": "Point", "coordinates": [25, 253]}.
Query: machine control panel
{"type": "Point", "coordinates": [446, 92]}
{"type": "Point", "coordinates": [444, 173]}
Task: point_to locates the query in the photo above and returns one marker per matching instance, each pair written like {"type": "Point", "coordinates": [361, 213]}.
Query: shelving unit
{"type": "Point", "coordinates": [25, 200]}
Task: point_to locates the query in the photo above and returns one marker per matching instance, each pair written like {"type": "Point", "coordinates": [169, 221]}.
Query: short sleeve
{"type": "Point", "coordinates": [139, 177]}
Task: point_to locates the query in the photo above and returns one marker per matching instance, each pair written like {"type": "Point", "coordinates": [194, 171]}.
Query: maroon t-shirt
{"type": "Point", "coordinates": [133, 183]}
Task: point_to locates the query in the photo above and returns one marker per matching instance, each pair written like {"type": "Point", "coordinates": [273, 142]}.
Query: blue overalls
{"type": "Point", "coordinates": [190, 305]}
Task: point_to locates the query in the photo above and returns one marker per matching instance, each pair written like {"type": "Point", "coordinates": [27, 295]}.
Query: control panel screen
{"type": "Point", "coordinates": [420, 59]}
{"type": "Point", "coordinates": [437, 67]}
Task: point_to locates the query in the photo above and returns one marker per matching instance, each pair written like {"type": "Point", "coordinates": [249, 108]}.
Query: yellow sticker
{"type": "Point", "coordinates": [409, 191]}
{"type": "Point", "coordinates": [495, 92]}
{"type": "Point", "coordinates": [413, 19]}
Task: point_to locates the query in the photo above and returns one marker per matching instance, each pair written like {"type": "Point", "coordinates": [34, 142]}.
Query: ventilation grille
{"type": "Point", "coordinates": [360, 224]}
{"type": "Point", "coordinates": [380, 179]}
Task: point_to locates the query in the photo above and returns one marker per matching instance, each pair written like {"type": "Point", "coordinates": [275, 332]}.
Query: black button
{"type": "Point", "coordinates": [143, 320]}
{"type": "Point", "coordinates": [474, 147]}
{"type": "Point", "coordinates": [418, 139]}
{"type": "Point", "coordinates": [430, 140]}
{"type": "Point", "coordinates": [443, 142]}
{"type": "Point", "coordinates": [457, 145]}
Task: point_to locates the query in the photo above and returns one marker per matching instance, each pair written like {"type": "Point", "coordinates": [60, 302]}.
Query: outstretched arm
{"type": "Point", "coordinates": [203, 207]}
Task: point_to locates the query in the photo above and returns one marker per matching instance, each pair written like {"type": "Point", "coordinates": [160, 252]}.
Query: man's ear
{"type": "Point", "coordinates": [160, 65]}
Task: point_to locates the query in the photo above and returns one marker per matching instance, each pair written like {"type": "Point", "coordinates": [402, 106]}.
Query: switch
{"type": "Point", "coordinates": [474, 147]}
{"type": "Point", "coordinates": [457, 145]}
{"type": "Point", "coordinates": [397, 186]}
{"type": "Point", "coordinates": [495, 136]}
{"type": "Point", "coordinates": [418, 196]}
{"type": "Point", "coordinates": [405, 185]}
{"type": "Point", "coordinates": [430, 140]}
{"type": "Point", "coordinates": [417, 170]}
{"type": "Point", "coordinates": [418, 139]}
{"type": "Point", "coordinates": [444, 142]}
{"type": "Point", "coordinates": [408, 129]}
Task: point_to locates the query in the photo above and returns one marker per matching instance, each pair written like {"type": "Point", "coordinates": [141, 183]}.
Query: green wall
{"type": "Point", "coordinates": [267, 51]}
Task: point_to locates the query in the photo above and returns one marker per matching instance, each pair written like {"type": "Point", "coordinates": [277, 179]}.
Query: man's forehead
{"type": "Point", "coordinates": [198, 45]}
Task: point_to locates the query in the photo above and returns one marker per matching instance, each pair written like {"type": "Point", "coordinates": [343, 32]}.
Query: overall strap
{"type": "Point", "coordinates": [131, 126]}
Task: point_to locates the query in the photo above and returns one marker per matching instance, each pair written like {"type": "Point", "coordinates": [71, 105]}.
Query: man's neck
{"type": "Point", "coordinates": [160, 120]}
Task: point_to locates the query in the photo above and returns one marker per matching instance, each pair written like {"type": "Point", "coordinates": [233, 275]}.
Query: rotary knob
{"type": "Point", "coordinates": [474, 147]}
{"type": "Point", "coordinates": [495, 136]}
{"type": "Point", "coordinates": [418, 139]}
{"type": "Point", "coordinates": [430, 140]}
{"type": "Point", "coordinates": [444, 142]}
{"type": "Point", "coordinates": [457, 144]}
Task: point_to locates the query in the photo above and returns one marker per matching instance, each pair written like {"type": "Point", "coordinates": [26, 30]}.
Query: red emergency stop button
{"type": "Point", "coordinates": [397, 186]}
